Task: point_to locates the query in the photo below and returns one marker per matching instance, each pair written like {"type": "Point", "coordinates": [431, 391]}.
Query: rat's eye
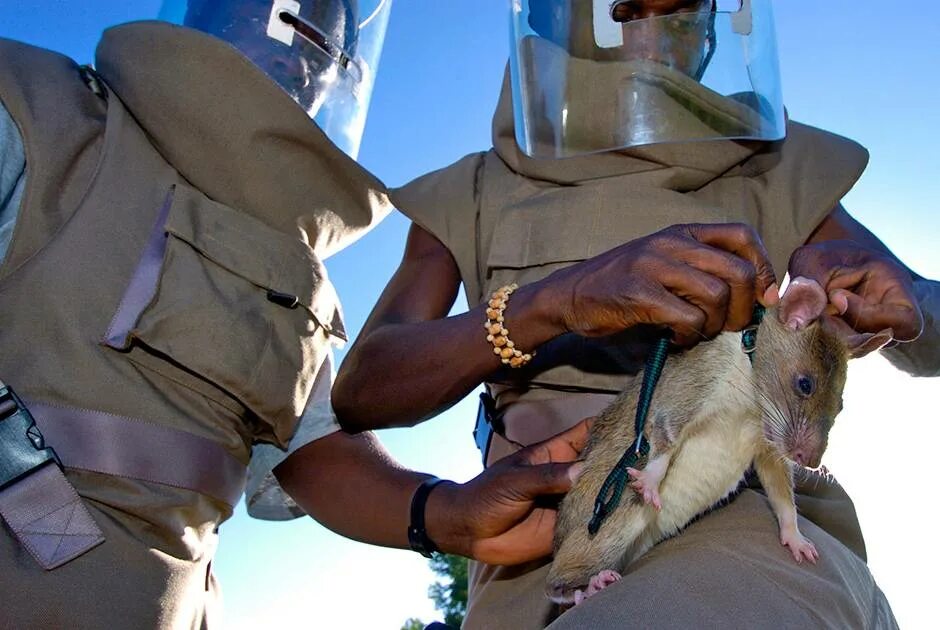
{"type": "Point", "coordinates": [805, 385]}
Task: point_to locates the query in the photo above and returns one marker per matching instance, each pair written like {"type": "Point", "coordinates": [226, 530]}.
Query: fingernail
{"type": "Point", "coordinates": [575, 470]}
{"type": "Point", "coordinates": [772, 294]}
{"type": "Point", "coordinates": [838, 299]}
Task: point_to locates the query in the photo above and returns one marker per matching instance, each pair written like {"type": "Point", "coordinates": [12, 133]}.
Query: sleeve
{"type": "Point", "coordinates": [264, 498]}
{"type": "Point", "coordinates": [12, 177]}
{"type": "Point", "coordinates": [445, 204]}
{"type": "Point", "coordinates": [442, 202]}
{"type": "Point", "coordinates": [921, 357]}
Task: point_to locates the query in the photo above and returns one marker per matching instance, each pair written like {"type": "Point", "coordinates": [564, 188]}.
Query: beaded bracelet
{"type": "Point", "coordinates": [497, 335]}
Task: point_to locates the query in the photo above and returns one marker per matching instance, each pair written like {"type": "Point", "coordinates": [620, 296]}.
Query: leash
{"type": "Point", "coordinates": [608, 498]}
{"type": "Point", "coordinates": [612, 490]}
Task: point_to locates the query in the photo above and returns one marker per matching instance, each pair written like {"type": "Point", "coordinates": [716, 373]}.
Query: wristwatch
{"type": "Point", "coordinates": [418, 538]}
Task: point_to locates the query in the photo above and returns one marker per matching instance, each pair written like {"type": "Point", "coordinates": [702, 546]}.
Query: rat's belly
{"type": "Point", "coordinates": [709, 464]}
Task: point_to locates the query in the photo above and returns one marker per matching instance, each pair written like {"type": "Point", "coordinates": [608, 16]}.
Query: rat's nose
{"type": "Point", "coordinates": [806, 457]}
{"type": "Point", "coordinates": [558, 593]}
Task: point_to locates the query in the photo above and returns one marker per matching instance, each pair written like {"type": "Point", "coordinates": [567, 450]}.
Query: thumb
{"type": "Point", "coordinates": [542, 479]}
{"type": "Point", "coordinates": [811, 262]}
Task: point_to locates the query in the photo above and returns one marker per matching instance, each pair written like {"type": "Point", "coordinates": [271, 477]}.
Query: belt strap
{"type": "Point", "coordinates": [37, 502]}
{"type": "Point", "coordinates": [129, 447]}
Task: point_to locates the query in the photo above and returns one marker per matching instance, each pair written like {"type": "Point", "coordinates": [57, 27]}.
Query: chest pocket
{"type": "Point", "coordinates": [558, 227]}
{"type": "Point", "coordinates": [220, 296]}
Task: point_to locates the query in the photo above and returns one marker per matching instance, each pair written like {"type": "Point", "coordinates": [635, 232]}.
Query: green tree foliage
{"type": "Point", "coordinates": [413, 624]}
{"type": "Point", "coordinates": [450, 596]}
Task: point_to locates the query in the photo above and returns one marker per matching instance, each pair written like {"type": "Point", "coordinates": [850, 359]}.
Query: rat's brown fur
{"type": "Point", "coordinates": [712, 416]}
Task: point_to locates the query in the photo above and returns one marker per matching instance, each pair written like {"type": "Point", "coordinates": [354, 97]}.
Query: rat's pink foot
{"type": "Point", "coordinates": [646, 485]}
{"type": "Point", "coordinates": [799, 545]}
{"type": "Point", "coordinates": [596, 584]}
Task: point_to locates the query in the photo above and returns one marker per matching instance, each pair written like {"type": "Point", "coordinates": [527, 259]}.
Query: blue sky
{"type": "Point", "coordinates": [861, 69]}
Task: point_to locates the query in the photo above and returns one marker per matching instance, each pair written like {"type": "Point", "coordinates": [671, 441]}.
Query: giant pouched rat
{"type": "Point", "coordinates": [713, 415]}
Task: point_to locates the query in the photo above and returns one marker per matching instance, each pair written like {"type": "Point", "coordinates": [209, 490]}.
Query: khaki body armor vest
{"type": "Point", "coordinates": [127, 290]}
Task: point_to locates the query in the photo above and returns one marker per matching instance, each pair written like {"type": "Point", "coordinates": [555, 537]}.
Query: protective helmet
{"type": "Point", "coordinates": [594, 75]}
{"type": "Point", "coordinates": [323, 53]}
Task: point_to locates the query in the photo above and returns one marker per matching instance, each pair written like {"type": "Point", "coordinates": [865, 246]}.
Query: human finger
{"type": "Point", "coordinates": [738, 274]}
{"type": "Point", "coordinates": [814, 263]}
{"type": "Point", "coordinates": [563, 447]}
{"type": "Point", "coordinates": [527, 540]}
{"type": "Point", "coordinates": [905, 319]}
{"type": "Point", "coordinates": [839, 265]}
{"type": "Point", "coordinates": [879, 293]}
{"type": "Point", "coordinates": [848, 277]}
{"type": "Point", "coordinates": [655, 301]}
{"type": "Point", "coordinates": [707, 292]}
{"type": "Point", "coordinates": [742, 240]}
{"type": "Point", "coordinates": [528, 482]}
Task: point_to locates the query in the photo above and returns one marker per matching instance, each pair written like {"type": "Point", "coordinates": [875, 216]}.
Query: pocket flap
{"type": "Point", "coordinates": [574, 223]}
{"type": "Point", "coordinates": [262, 255]}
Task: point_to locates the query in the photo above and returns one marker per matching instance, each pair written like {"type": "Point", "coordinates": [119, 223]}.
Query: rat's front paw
{"type": "Point", "coordinates": [799, 545]}
{"type": "Point", "coordinates": [646, 485]}
{"type": "Point", "coordinates": [597, 583]}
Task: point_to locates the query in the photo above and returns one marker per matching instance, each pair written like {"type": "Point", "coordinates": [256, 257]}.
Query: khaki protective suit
{"type": "Point", "coordinates": [192, 148]}
{"type": "Point", "coordinates": [509, 218]}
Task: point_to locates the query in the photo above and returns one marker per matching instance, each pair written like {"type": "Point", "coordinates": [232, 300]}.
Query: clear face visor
{"type": "Point", "coordinates": [591, 76]}
{"type": "Point", "coordinates": [323, 53]}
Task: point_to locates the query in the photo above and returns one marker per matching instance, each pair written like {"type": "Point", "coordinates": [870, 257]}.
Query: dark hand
{"type": "Point", "coordinates": [497, 517]}
{"type": "Point", "coordinates": [696, 279]}
{"type": "Point", "coordinates": [870, 290]}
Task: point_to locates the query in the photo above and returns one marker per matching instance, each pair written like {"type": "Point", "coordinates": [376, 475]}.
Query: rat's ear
{"type": "Point", "coordinates": [802, 303]}
{"type": "Point", "coordinates": [857, 344]}
{"type": "Point", "coordinates": [861, 344]}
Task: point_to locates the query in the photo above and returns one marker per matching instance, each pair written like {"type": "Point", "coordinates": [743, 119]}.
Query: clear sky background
{"type": "Point", "coordinates": [864, 69]}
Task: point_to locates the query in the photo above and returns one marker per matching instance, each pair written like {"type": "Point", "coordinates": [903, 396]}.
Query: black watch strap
{"type": "Point", "coordinates": [417, 536]}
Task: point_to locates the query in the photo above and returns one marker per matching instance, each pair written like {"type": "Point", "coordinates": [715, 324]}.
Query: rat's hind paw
{"type": "Point", "coordinates": [646, 485]}
{"type": "Point", "coordinates": [602, 580]}
{"type": "Point", "coordinates": [800, 546]}
{"type": "Point", "coordinates": [561, 593]}
{"type": "Point", "coordinates": [597, 583]}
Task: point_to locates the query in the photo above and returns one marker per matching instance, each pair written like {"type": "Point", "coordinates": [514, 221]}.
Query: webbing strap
{"type": "Point", "coordinates": [129, 447]}
{"type": "Point", "coordinates": [48, 517]}
{"type": "Point", "coordinates": [37, 502]}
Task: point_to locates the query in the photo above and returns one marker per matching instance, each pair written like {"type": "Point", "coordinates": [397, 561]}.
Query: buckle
{"type": "Point", "coordinates": [489, 421]}
{"type": "Point", "coordinates": [22, 447]}
{"type": "Point", "coordinates": [749, 339]}
{"type": "Point", "coordinates": [749, 334]}
{"type": "Point", "coordinates": [483, 430]}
